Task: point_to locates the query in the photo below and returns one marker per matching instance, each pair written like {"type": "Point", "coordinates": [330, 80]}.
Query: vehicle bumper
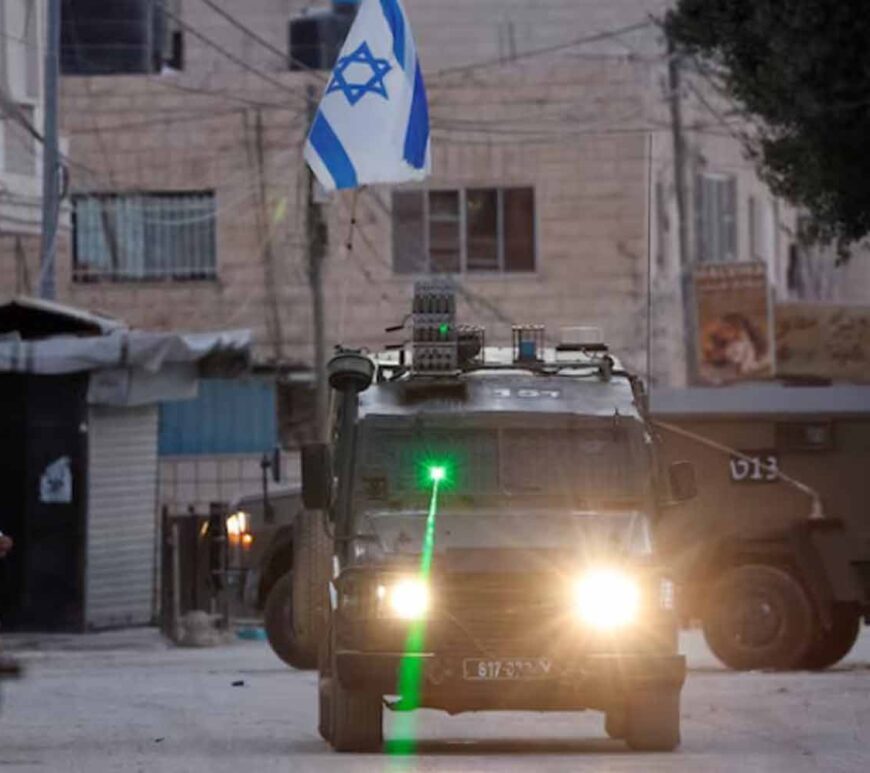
{"type": "Point", "coordinates": [591, 681]}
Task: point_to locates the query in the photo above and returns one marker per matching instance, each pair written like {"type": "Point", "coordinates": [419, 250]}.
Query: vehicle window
{"type": "Point", "coordinates": [574, 465]}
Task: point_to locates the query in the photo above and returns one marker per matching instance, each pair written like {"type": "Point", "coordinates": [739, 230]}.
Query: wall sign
{"type": "Point", "coordinates": [734, 332]}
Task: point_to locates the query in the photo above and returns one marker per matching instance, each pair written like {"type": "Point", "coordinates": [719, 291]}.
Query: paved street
{"type": "Point", "coordinates": [124, 701]}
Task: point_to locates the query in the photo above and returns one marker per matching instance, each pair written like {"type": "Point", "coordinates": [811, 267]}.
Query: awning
{"type": "Point", "coordinates": [218, 352]}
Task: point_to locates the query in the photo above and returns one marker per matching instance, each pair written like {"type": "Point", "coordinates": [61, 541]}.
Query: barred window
{"type": "Point", "coordinates": [473, 230]}
{"type": "Point", "coordinates": [144, 236]}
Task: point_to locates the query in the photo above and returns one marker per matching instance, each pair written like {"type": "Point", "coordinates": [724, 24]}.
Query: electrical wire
{"type": "Point", "coordinates": [284, 56]}
{"type": "Point", "coordinates": [238, 61]}
{"type": "Point", "coordinates": [585, 40]}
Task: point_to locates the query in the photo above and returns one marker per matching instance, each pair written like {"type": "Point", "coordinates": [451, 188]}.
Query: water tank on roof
{"type": "Point", "coordinates": [316, 38]}
{"type": "Point", "coordinates": [121, 36]}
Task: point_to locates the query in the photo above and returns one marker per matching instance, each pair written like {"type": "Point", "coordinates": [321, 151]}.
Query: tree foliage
{"type": "Point", "coordinates": [802, 69]}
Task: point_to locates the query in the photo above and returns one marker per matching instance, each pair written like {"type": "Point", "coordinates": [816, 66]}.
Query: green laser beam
{"type": "Point", "coordinates": [411, 667]}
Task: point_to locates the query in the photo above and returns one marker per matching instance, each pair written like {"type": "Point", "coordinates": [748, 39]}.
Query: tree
{"type": "Point", "coordinates": [800, 69]}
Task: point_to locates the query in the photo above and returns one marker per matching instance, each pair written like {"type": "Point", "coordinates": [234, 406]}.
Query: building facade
{"type": "Point", "coordinates": [21, 36]}
{"type": "Point", "coordinates": [552, 198]}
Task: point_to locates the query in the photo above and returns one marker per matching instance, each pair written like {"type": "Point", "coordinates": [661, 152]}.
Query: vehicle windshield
{"type": "Point", "coordinates": [604, 464]}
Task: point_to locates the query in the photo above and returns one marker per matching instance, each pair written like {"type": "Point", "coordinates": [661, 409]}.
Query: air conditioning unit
{"type": "Point", "coordinates": [315, 39]}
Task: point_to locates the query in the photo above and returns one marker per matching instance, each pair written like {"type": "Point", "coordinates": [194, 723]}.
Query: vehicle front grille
{"type": "Point", "coordinates": [501, 614]}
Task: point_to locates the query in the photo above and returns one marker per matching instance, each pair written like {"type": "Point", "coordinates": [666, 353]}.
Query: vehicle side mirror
{"type": "Point", "coordinates": [316, 476]}
{"type": "Point", "coordinates": [682, 479]}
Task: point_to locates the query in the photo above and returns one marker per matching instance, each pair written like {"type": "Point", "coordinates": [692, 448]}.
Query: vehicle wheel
{"type": "Point", "coordinates": [759, 617]}
{"type": "Point", "coordinates": [614, 724]}
{"type": "Point", "coordinates": [834, 644]}
{"type": "Point", "coordinates": [324, 690]}
{"type": "Point", "coordinates": [652, 721]}
{"type": "Point", "coordinates": [278, 621]}
{"type": "Point", "coordinates": [357, 718]}
{"type": "Point", "coordinates": [296, 608]}
{"type": "Point", "coordinates": [312, 556]}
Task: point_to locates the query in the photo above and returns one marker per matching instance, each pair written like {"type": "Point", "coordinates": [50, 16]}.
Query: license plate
{"type": "Point", "coordinates": [505, 669]}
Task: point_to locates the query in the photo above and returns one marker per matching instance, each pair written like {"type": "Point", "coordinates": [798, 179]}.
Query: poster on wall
{"type": "Point", "coordinates": [734, 331]}
{"type": "Point", "coordinates": [55, 483]}
{"type": "Point", "coordinates": [826, 341]}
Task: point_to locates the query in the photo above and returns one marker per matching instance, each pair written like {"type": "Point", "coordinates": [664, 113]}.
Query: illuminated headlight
{"type": "Point", "coordinates": [238, 529]}
{"type": "Point", "coordinates": [606, 599]}
{"type": "Point", "coordinates": [406, 599]}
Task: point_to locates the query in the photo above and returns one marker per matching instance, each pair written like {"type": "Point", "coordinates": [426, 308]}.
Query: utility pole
{"type": "Point", "coordinates": [315, 232]}
{"type": "Point", "coordinates": [675, 102]}
{"type": "Point", "coordinates": [50, 154]}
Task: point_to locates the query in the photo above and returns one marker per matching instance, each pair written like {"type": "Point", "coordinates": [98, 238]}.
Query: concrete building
{"type": "Point", "coordinates": [551, 201]}
{"type": "Point", "coordinates": [21, 36]}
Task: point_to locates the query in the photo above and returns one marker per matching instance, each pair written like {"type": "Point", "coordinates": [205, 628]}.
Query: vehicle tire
{"type": "Point", "coordinates": [357, 718]}
{"type": "Point", "coordinates": [312, 557]}
{"type": "Point", "coordinates": [652, 720]}
{"type": "Point", "coordinates": [278, 621]}
{"type": "Point", "coordinates": [324, 689]}
{"type": "Point", "coordinates": [296, 608]}
{"type": "Point", "coordinates": [614, 724]}
{"type": "Point", "coordinates": [759, 617]}
{"type": "Point", "coordinates": [833, 645]}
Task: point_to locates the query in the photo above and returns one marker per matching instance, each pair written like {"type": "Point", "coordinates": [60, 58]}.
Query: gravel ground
{"type": "Point", "coordinates": [125, 701]}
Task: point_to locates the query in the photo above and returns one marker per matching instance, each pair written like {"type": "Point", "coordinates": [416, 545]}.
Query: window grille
{"type": "Point", "coordinates": [150, 236]}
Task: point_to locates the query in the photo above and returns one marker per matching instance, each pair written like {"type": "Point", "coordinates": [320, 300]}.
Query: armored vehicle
{"type": "Point", "coordinates": [278, 564]}
{"type": "Point", "coordinates": [773, 558]}
{"type": "Point", "coordinates": [491, 515]}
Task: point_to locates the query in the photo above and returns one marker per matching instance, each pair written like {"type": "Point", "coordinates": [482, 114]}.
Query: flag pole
{"type": "Point", "coordinates": [316, 245]}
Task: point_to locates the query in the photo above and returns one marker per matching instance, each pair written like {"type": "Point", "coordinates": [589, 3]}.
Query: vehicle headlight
{"type": "Point", "coordinates": [606, 598]}
{"type": "Point", "coordinates": [238, 529]}
{"type": "Point", "coordinates": [406, 599]}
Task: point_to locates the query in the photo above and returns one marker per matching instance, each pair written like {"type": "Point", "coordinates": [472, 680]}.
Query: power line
{"type": "Point", "coordinates": [586, 40]}
{"type": "Point", "coordinates": [231, 56]}
{"type": "Point", "coordinates": [284, 56]}
{"type": "Point", "coordinates": [166, 83]}
{"type": "Point", "coordinates": [246, 30]}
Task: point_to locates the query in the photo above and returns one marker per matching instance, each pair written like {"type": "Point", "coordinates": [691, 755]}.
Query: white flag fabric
{"type": "Point", "coordinates": [372, 125]}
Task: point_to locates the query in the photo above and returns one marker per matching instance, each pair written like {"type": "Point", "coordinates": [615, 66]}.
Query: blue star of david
{"type": "Point", "coordinates": [356, 91]}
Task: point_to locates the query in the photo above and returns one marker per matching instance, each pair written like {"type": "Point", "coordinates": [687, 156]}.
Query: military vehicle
{"type": "Point", "coordinates": [773, 557]}
{"type": "Point", "coordinates": [279, 564]}
{"type": "Point", "coordinates": [492, 515]}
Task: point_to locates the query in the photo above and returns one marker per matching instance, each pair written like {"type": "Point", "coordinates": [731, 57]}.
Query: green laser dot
{"type": "Point", "coordinates": [437, 474]}
{"type": "Point", "coordinates": [443, 329]}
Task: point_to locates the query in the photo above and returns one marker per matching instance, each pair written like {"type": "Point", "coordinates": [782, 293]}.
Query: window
{"type": "Point", "coordinates": [487, 230]}
{"type": "Point", "coordinates": [19, 21]}
{"type": "Point", "coordinates": [144, 236]}
{"type": "Point", "coordinates": [19, 146]}
{"type": "Point", "coordinates": [19, 79]}
{"type": "Point", "coordinates": [31, 50]}
{"type": "Point", "coordinates": [716, 218]}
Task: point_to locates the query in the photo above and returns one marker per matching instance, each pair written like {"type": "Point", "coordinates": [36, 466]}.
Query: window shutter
{"type": "Point", "coordinates": [728, 218]}
{"type": "Point", "coordinates": [519, 229]}
{"type": "Point", "coordinates": [409, 242]}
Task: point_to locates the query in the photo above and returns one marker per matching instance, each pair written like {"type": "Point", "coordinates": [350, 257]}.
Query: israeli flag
{"type": "Point", "coordinates": [373, 122]}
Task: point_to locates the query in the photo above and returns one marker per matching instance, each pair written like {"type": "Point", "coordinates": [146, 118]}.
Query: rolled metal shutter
{"type": "Point", "coordinates": [122, 503]}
